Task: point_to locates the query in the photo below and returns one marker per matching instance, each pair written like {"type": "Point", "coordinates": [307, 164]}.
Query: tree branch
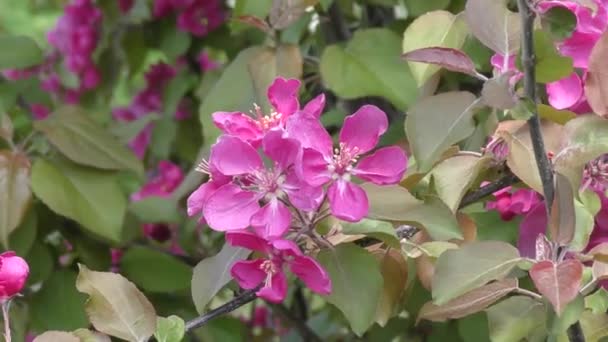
{"type": "Point", "coordinates": [487, 190]}
{"type": "Point", "coordinates": [240, 300]}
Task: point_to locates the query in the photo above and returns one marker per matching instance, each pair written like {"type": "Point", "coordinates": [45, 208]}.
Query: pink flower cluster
{"type": "Point", "coordinates": [198, 17]}
{"type": "Point", "coordinates": [169, 176]}
{"type": "Point", "coordinates": [149, 101]}
{"type": "Point", "coordinates": [13, 275]}
{"type": "Point", "coordinates": [270, 176]}
{"type": "Point", "coordinates": [511, 203]}
{"type": "Point", "coordinates": [75, 37]}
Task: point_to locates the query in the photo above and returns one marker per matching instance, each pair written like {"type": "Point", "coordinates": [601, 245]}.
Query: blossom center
{"type": "Point", "coordinates": [342, 161]}
{"type": "Point", "coordinates": [266, 122]}
{"type": "Point", "coordinates": [270, 268]}
{"type": "Point", "coordinates": [595, 174]}
{"type": "Point", "coordinates": [268, 181]}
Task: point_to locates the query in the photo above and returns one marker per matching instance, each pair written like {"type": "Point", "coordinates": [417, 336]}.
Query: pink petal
{"type": "Point", "coordinates": [140, 143]}
{"type": "Point", "coordinates": [312, 274]}
{"type": "Point", "coordinates": [578, 47]}
{"type": "Point", "coordinates": [239, 125]}
{"type": "Point", "coordinates": [301, 195]}
{"type": "Point", "coordinates": [248, 273]}
{"type": "Point", "coordinates": [230, 208]}
{"type": "Point", "coordinates": [232, 156]}
{"type": "Point", "coordinates": [310, 133]}
{"type": "Point", "coordinates": [498, 62]}
{"type": "Point", "coordinates": [315, 106]}
{"type": "Point", "coordinates": [589, 23]}
{"type": "Point", "coordinates": [385, 166]}
{"type": "Point", "coordinates": [276, 290]}
{"type": "Point", "coordinates": [272, 220]}
{"type": "Point", "coordinates": [566, 92]}
{"type": "Point", "coordinates": [347, 201]}
{"type": "Point", "coordinates": [533, 224]}
{"type": "Point", "coordinates": [286, 247]}
{"type": "Point", "coordinates": [283, 151]}
{"type": "Point", "coordinates": [196, 200]}
{"type": "Point", "coordinates": [523, 200]}
{"type": "Point", "coordinates": [283, 95]}
{"type": "Point", "coordinates": [363, 128]}
{"type": "Point", "coordinates": [314, 168]}
{"type": "Point", "coordinates": [247, 240]}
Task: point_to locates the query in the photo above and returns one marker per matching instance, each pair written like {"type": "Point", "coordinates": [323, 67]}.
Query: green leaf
{"type": "Point", "coordinates": [494, 25]}
{"type": "Point", "coordinates": [395, 203]}
{"type": "Point", "coordinates": [85, 142]}
{"type": "Point", "coordinates": [416, 8]}
{"type": "Point", "coordinates": [15, 193]}
{"type": "Point", "coordinates": [155, 209]}
{"type": "Point", "coordinates": [356, 284]}
{"type": "Point", "coordinates": [436, 122]}
{"type": "Point", "coordinates": [560, 22]}
{"type": "Point", "coordinates": [393, 268]}
{"type": "Point", "coordinates": [595, 326]}
{"type": "Point", "coordinates": [56, 336]}
{"type": "Point", "coordinates": [91, 197]}
{"type": "Point", "coordinates": [369, 66]}
{"type": "Point", "coordinates": [458, 271]}
{"type": "Point", "coordinates": [213, 273]}
{"type": "Point", "coordinates": [174, 42]}
{"type": "Point", "coordinates": [454, 176]}
{"type": "Point", "coordinates": [41, 263]}
{"type": "Point", "coordinates": [115, 306]}
{"type": "Point", "coordinates": [22, 239]}
{"type": "Point", "coordinates": [516, 318]}
{"type": "Point", "coordinates": [555, 115]}
{"type": "Point", "coordinates": [572, 313]}
{"type": "Point", "coordinates": [550, 65]}
{"type": "Point", "coordinates": [58, 306]}
{"type": "Point", "coordinates": [585, 211]}
{"type": "Point", "coordinates": [155, 271]}
{"type": "Point", "coordinates": [170, 329]}
{"type": "Point", "coordinates": [164, 133]}
{"type": "Point", "coordinates": [257, 8]}
{"type": "Point", "coordinates": [127, 131]}
{"type": "Point", "coordinates": [134, 48]}
{"type": "Point", "coordinates": [433, 29]}
{"type": "Point", "coordinates": [598, 301]}
{"type": "Point", "coordinates": [86, 335]}
{"type": "Point", "coordinates": [249, 76]}
{"type": "Point", "coordinates": [383, 231]}
{"type": "Point", "coordinates": [585, 138]}
{"type": "Point", "coordinates": [19, 52]}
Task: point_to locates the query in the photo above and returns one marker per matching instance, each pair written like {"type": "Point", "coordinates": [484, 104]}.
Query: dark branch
{"type": "Point", "coordinates": [240, 300]}
{"type": "Point", "coordinates": [575, 333]}
{"type": "Point", "coordinates": [300, 325]}
{"type": "Point", "coordinates": [487, 190]}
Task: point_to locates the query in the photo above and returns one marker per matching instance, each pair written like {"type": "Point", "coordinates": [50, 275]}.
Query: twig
{"type": "Point", "coordinates": [300, 325]}
{"type": "Point", "coordinates": [528, 293]}
{"type": "Point", "coordinates": [487, 190]}
{"type": "Point", "coordinates": [232, 305]}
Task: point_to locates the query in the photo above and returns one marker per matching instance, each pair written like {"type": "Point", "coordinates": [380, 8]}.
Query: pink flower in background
{"type": "Point", "coordinates": [13, 275]}
{"type": "Point", "coordinates": [595, 174]}
{"type": "Point", "coordinates": [321, 164]}
{"type": "Point", "coordinates": [39, 112]}
{"type": "Point", "coordinates": [168, 178]}
{"type": "Point", "coordinates": [270, 269]}
{"type": "Point", "coordinates": [201, 17]}
{"type": "Point", "coordinates": [206, 63]}
{"type": "Point", "coordinates": [283, 96]}
{"type": "Point", "coordinates": [235, 205]}
{"type": "Point", "coordinates": [566, 93]}
{"type": "Point", "coordinates": [510, 204]}
{"type": "Point", "coordinates": [125, 5]}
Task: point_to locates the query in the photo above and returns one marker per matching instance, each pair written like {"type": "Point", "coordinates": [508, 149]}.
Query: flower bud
{"type": "Point", "coordinates": [13, 274]}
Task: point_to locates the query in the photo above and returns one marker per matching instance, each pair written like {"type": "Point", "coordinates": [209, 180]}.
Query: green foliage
{"type": "Point", "coordinates": [170, 329]}
{"type": "Point", "coordinates": [18, 52]}
{"type": "Point", "coordinates": [155, 271]}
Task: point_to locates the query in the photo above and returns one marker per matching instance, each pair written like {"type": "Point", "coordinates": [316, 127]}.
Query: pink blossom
{"type": "Point", "coordinates": [13, 275]}
{"type": "Point", "coordinates": [206, 63]}
{"type": "Point", "coordinates": [168, 178]}
{"type": "Point", "coordinates": [510, 204]}
{"type": "Point", "coordinates": [321, 165]}
{"type": "Point", "coordinates": [235, 205]}
{"type": "Point", "coordinates": [201, 17]}
{"type": "Point", "coordinates": [125, 5]}
{"type": "Point", "coordinates": [283, 96]}
{"type": "Point", "coordinates": [533, 225]}
{"type": "Point", "coordinates": [595, 174]}
{"type": "Point", "coordinates": [566, 92]}
{"type": "Point", "coordinates": [157, 232]}
{"type": "Point", "coordinates": [39, 112]}
{"type": "Point", "coordinates": [269, 270]}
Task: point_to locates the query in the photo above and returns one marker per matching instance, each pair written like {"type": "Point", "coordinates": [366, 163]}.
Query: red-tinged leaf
{"type": "Point", "coordinates": [394, 272]}
{"type": "Point", "coordinates": [596, 83]}
{"type": "Point", "coordinates": [469, 303]}
{"type": "Point", "coordinates": [285, 12]}
{"type": "Point", "coordinates": [451, 59]}
{"type": "Point", "coordinates": [543, 248]}
{"type": "Point", "coordinates": [562, 221]}
{"type": "Point", "coordinates": [15, 193]}
{"type": "Point", "coordinates": [559, 283]}
{"type": "Point", "coordinates": [255, 22]}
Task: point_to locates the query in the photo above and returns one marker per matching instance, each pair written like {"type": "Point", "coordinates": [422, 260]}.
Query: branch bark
{"type": "Point", "coordinates": [240, 300]}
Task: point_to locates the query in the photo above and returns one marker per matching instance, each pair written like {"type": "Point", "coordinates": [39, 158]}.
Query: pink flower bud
{"type": "Point", "coordinates": [13, 274]}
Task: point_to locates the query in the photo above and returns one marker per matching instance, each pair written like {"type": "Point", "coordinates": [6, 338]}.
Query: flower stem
{"type": "Point", "coordinates": [7, 324]}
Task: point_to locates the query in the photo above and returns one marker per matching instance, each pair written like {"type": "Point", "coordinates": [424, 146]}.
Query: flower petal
{"type": "Point", "coordinates": [347, 201]}
{"type": "Point", "coordinates": [246, 239]}
{"type": "Point", "coordinates": [523, 200]}
{"type": "Point", "coordinates": [272, 220]}
{"type": "Point", "coordinates": [283, 95]}
{"type": "Point", "coordinates": [286, 247]}
{"type": "Point", "coordinates": [301, 195]}
{"type": "Point", "coordinates": [315, 106]}
{"type": "Point", "coordinates": [310, 133]}
{"type": "Point", "coordinates": [566, 92]}
{"type": "Point", "coordinates": [196, 200]}
{"type": "Point", "coordinates": [276, 290]}
{"type": "Point", "coordinates": [312, 274]}
{"type": "Point", "coordinates": [363, 128]}
{"type": "Point", "coordinates": [283, 151]}
{"type": "Point", "coordinates": [230, 208]}
{"type": "Point", "coordinates": [385, 166]}
{"type": "Point", "coordinates": [578, 47]}
{"type": "Point", "coordinates": [239, 125]}
{"type": "Point", "coordinates": [313, 168]}
{"type": "Point", "coordinates": [248, 273]}
{"type": "Point", "coordinates": [232, 156]}
{"type": "Point", "coordinates": [533, 224]}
